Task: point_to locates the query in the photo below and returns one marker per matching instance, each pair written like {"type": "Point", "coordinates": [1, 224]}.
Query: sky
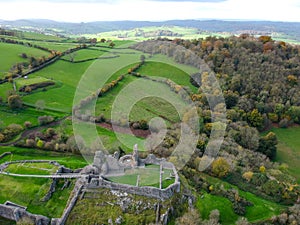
{"type": "Point", "coordinates": [150, 10]}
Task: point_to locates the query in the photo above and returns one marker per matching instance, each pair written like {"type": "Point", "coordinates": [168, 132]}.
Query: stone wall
{"type": "Point", "coordinates": [144, 191]}
{"type": "Point", "coordinates": [76, 192]}
{"type": "Point", "coordinates": [5, 154]}
{"type": "Point", "coordinates": [17, 214]}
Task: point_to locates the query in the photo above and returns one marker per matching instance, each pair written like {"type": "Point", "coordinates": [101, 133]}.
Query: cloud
{"type": "Point", "coordinates": [209, 1]}
{"type": "Point", "coordinates": [153, 10]}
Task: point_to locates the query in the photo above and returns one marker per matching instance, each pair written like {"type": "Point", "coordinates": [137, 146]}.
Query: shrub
{"type": "Point", "coordinates": [262, 169]}
{"type": "Point", "coordinates": [27, 124]}
{"type": "Point", "coordinates": [40, 144]}
{"type": "Point", "coordinates": [30, 143]}
{"type": "Point", "coordinates": [248, 175]}
{"type": "Point", "coordinates": [15, 102]}
{"type": "Point", "coordinates": [284, 123]}
{"type": "Point", "coordinates": [220, 167]}
{"type": "Point", "coordinates": [45, 120]}
{"type": "Point", "coordinates": [2, 137]}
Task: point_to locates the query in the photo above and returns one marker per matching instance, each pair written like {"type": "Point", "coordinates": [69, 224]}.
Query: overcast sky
{"type": "Point", "coordinates": [153, 10]}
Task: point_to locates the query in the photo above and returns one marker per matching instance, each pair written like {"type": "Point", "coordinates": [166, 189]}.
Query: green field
{"type": "Point", "coordinates": [148, 176]}
{"type": "Point", "coordinates": [137, 33]}
{"type": "Point", "coordinates": [288, 149]}
{"type": "Point", "coordinates": [32, 168]}
{"type": "Point", "coordinates": [20, 116]}
{"type": "Point", "coordinates": [60, 98]}
{"type": "Point", "coordinates": [85, 54]}
{"type": "Point", "coordinates": [35, 80]}
{"type": "Point", "coordinates": [10, 55]}
{"type": "Point", "coordinates": [261, 210]}
{"type": "Point", "coordinates": [28, 192]}
{"type": "Point", "coordinates": [67, 159]}
{"type": "Point", "coordinates": [158, 69]}
{"type": "Point", "coordinates": [41, 37]}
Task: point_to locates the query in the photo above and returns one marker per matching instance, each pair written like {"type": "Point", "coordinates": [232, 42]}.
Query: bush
{"type": "Point", "coordinates": [2, 137]}
{"type": "Point", "coordinates": [43, 120]}
{"type": "Point", "coordinates": [40, 144]}
{"type": "Point", "coordinates": [30, 143]}
{"type": "Point", "coordinates": [248, 175]}
{"type": "Point", "coordinates": [15, 102]}
{"type": "Point", "coordinates": [220, 167]}
{"type": "Point", "coordinates": [27, 124]}
{"type": "Point", "coordinates": [284, 123]}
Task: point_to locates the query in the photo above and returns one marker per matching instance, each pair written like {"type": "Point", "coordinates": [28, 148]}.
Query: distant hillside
{"type": "Point", "coordinates": [289, 30]}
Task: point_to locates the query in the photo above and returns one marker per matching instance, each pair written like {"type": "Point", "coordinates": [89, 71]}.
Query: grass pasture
{"type": "Point", "coordinates": [60, 98]}
{"type": "Point", "coordinates": [288, 149]}
{"type": "Point", "coordinates": [32, 168]}
{"type": "Point", "coordinates": [19, 117]}
{"type": "Point", "coordinates": [10, 55]}
{"type": "Point", "coordinates": [24, 82]}
{"type": "Point", "coordinates": [85, 54]}
{"type": "Point", "coordinates": [29, 192]}
{"type": "Point", "coordinates": [66, 159]}
{"type": "Point", "coordinates": [169, 71]}
{"type": "Point", "coordinates": [261, 210]}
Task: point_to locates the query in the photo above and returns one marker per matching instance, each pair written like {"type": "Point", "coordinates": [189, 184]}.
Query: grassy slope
{"type": "Point", "coordinates": [60, 98]}
{"type": "Point", "coordinates": [86, 54]}
{"type": "Point", "coordinates": [288, 149]}
{"type": "Point", "coordinates": [9, 55]}
{"type": "Point", "coordinates": [20, 116]}
{"type": "Point", "coordinates": [29, 191]}
{"type": "Point", "coordinates": [261, 210]}
{"type": "Point", "coordinates": [65, 159]}
{"type": "Point", "coordinates": [32, 168]}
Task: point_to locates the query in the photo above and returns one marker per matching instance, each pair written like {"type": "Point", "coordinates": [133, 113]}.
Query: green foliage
{"type": "Point", "coordinates": [15, 102]}
{"type": "Point", "coordinates": [40, 144]}
{"type": "Point", "coordinates": [267, 145]}
{"type": "Point", "coordinates": [255, 119]}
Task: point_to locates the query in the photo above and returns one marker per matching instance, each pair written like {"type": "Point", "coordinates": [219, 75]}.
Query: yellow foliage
{"type": "Point", "coordinates": [248, 175]}
{"type": "Point", "coordinates": [262, 169]}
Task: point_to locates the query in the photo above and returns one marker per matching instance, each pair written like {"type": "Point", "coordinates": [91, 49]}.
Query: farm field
{"type": "Point", "coordinates": [10, 55]}
{"type": "Point", "coordinates": [288, 149]}
{"type": "Point", "coordinates": [87, 120]}
{"type": "Point", "coordinates": [21, 116]}
{"type": "Point", "coordinates": [31, 168]}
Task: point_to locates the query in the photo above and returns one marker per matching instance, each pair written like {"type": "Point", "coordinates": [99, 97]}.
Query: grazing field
{"type": "Point", "coordinates": [10, 55]}
{"type": "Point", "coordinates": [23, 81]}
{"type": "Point", "coordinates": [288, 149]}
{"type": "Point", "coordinates": [41, 37]}
{"type": "Point", "coordinates": [85, 54]}
{"type": "Point", "coordinates": [261, 210]}
{"type": "Point", "coordinates": [158, 69]}
{"type": "Point", "coordinates": [4, 88]}
{"type": "Point", "coordinates": [67, 159]}
{"type": "Point", "coordinates": [57, 46]}
{"type": "Point", "coordinates": [29, 192]}
{"type": "Point", "coordinates": [60, 98]}
{"type": "Point", "coordinates": [32, 168]}
{"type": "Point", "coordinates": [20, 116]}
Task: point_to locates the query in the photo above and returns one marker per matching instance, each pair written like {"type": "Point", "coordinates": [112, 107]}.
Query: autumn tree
{"type": "Point", "coordinates": [220, 167]}
{"type": "Point", "coordinates": [15, 102]}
